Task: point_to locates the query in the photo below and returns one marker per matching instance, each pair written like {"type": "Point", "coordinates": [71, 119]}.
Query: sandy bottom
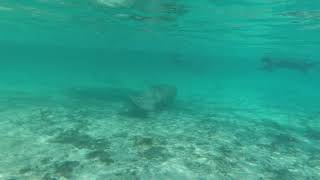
{"type": "Point", "coordinates": [80, 134]}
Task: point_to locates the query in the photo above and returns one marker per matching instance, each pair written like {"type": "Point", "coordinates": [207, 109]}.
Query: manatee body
{"type": "Point", "coordinates": [155, 98]}
{"type": "Point", "coordinates": [270, 64]}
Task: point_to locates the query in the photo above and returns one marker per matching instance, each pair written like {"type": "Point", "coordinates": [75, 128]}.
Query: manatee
{"type": "Point", "coordinates": [154, 99]}
{"type": "Point", "coordinates": [271, 64]}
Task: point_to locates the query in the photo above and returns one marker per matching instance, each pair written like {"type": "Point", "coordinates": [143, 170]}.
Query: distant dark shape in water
{"type": "Point", "coordinates": [154, 99]}
{"type": "Point", "coordinates": [272, 64]}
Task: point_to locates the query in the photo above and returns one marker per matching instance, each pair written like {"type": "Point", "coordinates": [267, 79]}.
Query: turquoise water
{"type": "Point", "coordinates": [87, 89]}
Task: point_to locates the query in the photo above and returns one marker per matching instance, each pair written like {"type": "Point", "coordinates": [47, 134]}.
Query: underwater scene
{"type": "Point", "coordinates": [159, 90]}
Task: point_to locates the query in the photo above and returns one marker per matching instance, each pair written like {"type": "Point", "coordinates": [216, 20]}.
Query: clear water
{"type": "Point", "coordinates": [69, 67]}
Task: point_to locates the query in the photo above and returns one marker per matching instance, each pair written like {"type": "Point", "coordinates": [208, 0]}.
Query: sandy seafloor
{"type": "Point", "coordinates": [79, 134]}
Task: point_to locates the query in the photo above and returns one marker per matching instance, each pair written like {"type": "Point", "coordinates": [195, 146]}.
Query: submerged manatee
{"type": "Point", "coordinates": [154, 99]}
{"type": "Point", "coordinates": [271, 64]}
